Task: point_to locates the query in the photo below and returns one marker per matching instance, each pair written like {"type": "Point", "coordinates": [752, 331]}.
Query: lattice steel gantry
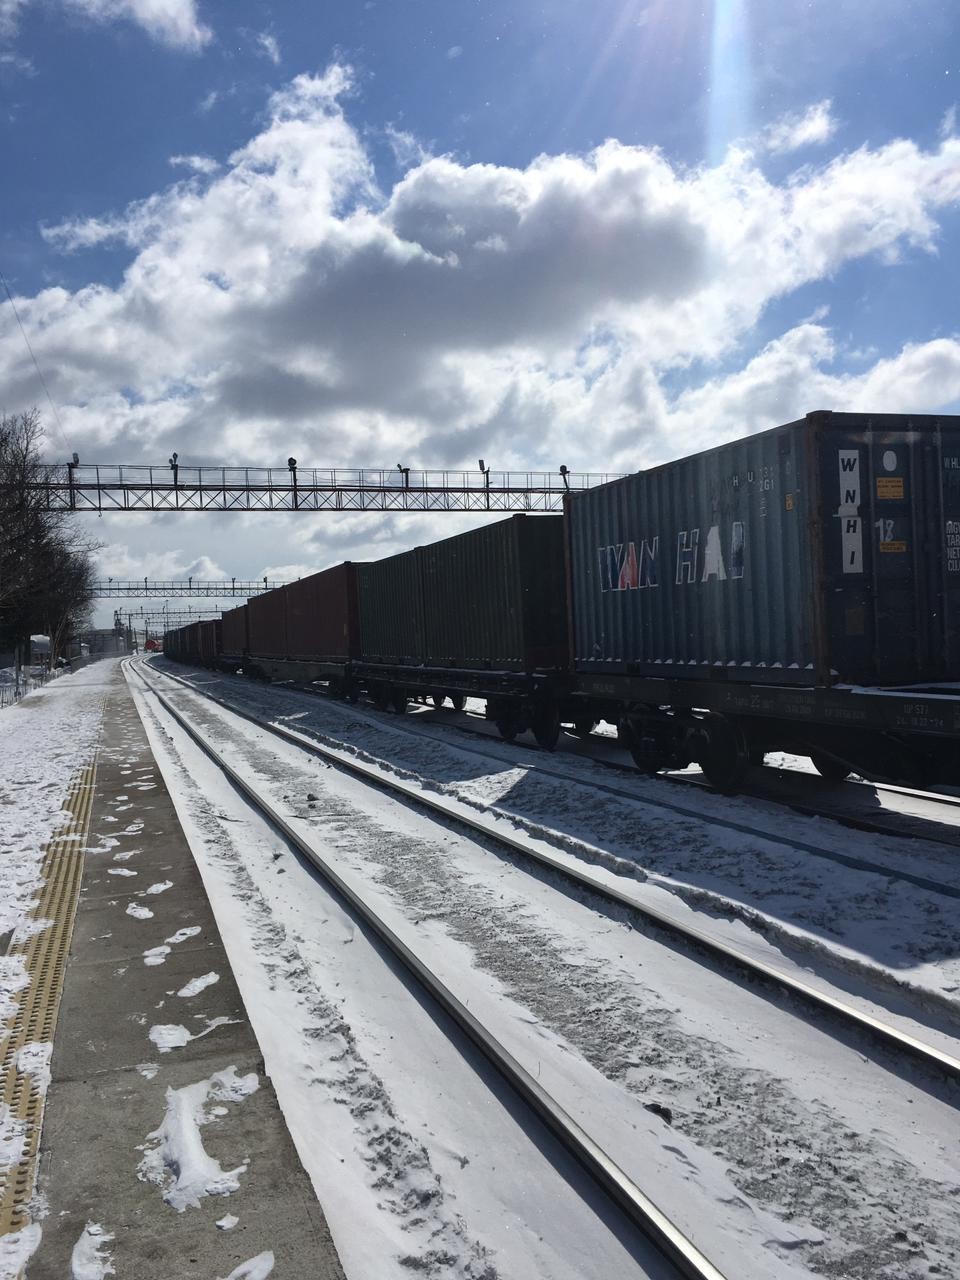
{"type": "Point", "coordinates": [145, 588]}
{"type": "Point", "coordinates": [78, 486]}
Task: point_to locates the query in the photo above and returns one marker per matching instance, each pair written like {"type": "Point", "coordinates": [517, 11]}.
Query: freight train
{"type": "Point", "coordinates": [797, 590]}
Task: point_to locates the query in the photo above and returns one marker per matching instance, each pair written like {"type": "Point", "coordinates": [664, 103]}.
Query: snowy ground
{"type": "Point", "coordinates": [44, 741]}
{"type": "Point", "coordinates": [783, 1151]}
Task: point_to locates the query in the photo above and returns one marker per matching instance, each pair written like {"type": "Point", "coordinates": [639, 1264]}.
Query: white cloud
{"type": "Point", "coordinates": [198, 164]}
{"type": "Point", "coordinates": [408, 150]}
{"type": "Point", "coordinates": [172, 22]}
{"type": "Point", "coordinates": [269, 47]}
{"type": "Point", "coordinates": [287, 305]}
{"type": "Point", "coordinates": [10, 17]}
{"type": "Point", "coordinates": [810, 128]}
{"type": "Point", "coordinates": [17, 63]}
{"type": "Point", "coordinates": [455, 51]}
{"type": "Point", "coordinates": [948, 125]}
{"type": "Point", "coordinates": [790, 377]}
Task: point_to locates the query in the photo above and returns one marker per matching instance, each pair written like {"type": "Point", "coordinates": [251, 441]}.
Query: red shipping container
{"type": "Point", "coordinates": [209, 641]}
{"type": "Point", "coordinates": [267, 624]}
{"type": "Point", "coordinates": [322, 618]}
{"type": "Point", "coordinates": [235, 641]}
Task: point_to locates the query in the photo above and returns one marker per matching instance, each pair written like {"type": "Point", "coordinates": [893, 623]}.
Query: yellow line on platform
{"type": "Point", "coordinates": [44, 956]}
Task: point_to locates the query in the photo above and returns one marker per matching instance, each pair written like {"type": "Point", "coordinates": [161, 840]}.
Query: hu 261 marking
{"type": "Point", "coordinates": [624, 568]}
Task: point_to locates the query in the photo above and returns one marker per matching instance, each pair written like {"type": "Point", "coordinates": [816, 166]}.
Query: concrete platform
{"type": "Point", "coordinates": [110, 1082]}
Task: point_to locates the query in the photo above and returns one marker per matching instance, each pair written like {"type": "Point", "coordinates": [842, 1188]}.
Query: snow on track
{"type": "Point", "coordinates": [853, 926]}
{"type": "Point", "coordinates": [419, 1167]}
{"type": "Point", "coordinates": [627, 1024]}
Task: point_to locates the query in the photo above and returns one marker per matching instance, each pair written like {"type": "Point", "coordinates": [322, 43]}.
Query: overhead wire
{"type": "Point", "coordinates": [36, 362]}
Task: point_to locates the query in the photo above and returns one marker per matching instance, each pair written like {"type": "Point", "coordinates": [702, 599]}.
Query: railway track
{"type": "Point", "coordinates": [833, 855]}
{"type": "Point", "coordinates": [751, 1012]}
{"type": "Point", "coordinates": [882, 1034]}
{"type": "Point", "coordinates": [898, 825]}
{"type": "Point", "coordinates": [622, 1191]}
{"type": "Point", "coordinates": [546, 766]}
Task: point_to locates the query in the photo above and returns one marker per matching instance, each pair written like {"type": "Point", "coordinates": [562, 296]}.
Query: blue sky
{"type": "Point", "coordinates": [611, 233]}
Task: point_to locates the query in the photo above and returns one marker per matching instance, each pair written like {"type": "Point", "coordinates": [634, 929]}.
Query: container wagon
{"type": "Point", "coordinates": [797, 589]}
{"type": "Point", "coordinates": [480, 614]}
{"type": "Point", "coordinates": [307, 630]}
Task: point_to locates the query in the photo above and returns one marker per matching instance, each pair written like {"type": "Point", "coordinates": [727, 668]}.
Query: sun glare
{"type": "Point", "coordinates": [729, 108]}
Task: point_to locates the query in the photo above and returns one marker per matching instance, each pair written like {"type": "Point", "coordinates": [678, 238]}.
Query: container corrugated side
{"type": "Point", "coordinates": [267, 624]}
{"type": "Point", "coordinates": [235, 631]}
{"type": "Point", "coordinates": [209, 637]}
{"type": "Point", "coordinates": [391, 610]}
{"type": "Point", "coordinates": [701, 568]}
{"type": "Point", "coordinates": [191, 642]}
{"type": "Point", "coordinates": [494, 598]}
{"type": "Point", "coordinates": [322, 615]}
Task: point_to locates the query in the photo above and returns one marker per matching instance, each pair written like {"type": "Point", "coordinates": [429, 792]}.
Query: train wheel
{"type": "Point", "coordinates": [350, 692]}
{"type": "Point", "coordinates": [437, 700]}
{"type": "Point", "coordinates": [398, 700]}
{"type": "Point", "coordinates": [457, 701]}
{"type": "Point", "coordinates": [723, 753]}
{"type": "Point", "coordinates": [381, 697]}
{"type": "Point", "coordinates": [830, 770]}
{"type": "Point", "coordinates": [507, 729]}
{"type": "Point", "coordinates": [546, 727]}
{"type": "Point", "coordinates": [645, 751]}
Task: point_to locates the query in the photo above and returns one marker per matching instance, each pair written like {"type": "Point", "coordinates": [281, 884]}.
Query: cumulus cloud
{"type": "Point", "coordinates": [791, 376]}
{"type": "Point", "coordinates": [810, 128]}
{"type": "Point", "coordinates": [288, 304]}
{"type": "Point", "coordinates": [172, 22]}
{"type": "Point", "coordinates": [408, 150]}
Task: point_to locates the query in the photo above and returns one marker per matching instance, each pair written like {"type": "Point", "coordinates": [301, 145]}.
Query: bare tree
{"type": "Point", "coordinates": [46, 570]}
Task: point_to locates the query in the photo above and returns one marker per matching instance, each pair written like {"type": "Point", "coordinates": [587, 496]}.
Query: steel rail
{"type": "Point", "coordinates": [852, 861]}
{"type": "Point", "coordinates": [832, 855]}
{"type": "Point", "coordinates": [881, 1032]}
{"type": "Point", "coordinates": [638, 1207]}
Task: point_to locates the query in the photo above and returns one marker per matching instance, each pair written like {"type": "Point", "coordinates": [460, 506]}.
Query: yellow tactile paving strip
{"type": "Point", "coordinates": [45, 957]}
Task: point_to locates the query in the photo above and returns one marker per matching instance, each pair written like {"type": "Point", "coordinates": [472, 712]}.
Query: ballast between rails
{"type": "Point", "coordinates": [882, 1033]}
{"type": "Point", "coordinates": [613, 1181]}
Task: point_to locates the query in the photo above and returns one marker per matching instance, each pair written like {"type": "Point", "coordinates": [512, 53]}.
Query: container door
{"type": "Point", "coordinates": [891, 589]}
{"type": "Point", "coordinates": [948, 538]}
{"type": "Point", "coordinates": [903, 497]}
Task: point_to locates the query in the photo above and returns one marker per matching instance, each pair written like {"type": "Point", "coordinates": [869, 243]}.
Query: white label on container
{"type": "Point", "coordinates": [851, 527]}
{"type": "Point", "coordinates": [849, 478]}
{"type": "Point", "coordinates": [852, 544]}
